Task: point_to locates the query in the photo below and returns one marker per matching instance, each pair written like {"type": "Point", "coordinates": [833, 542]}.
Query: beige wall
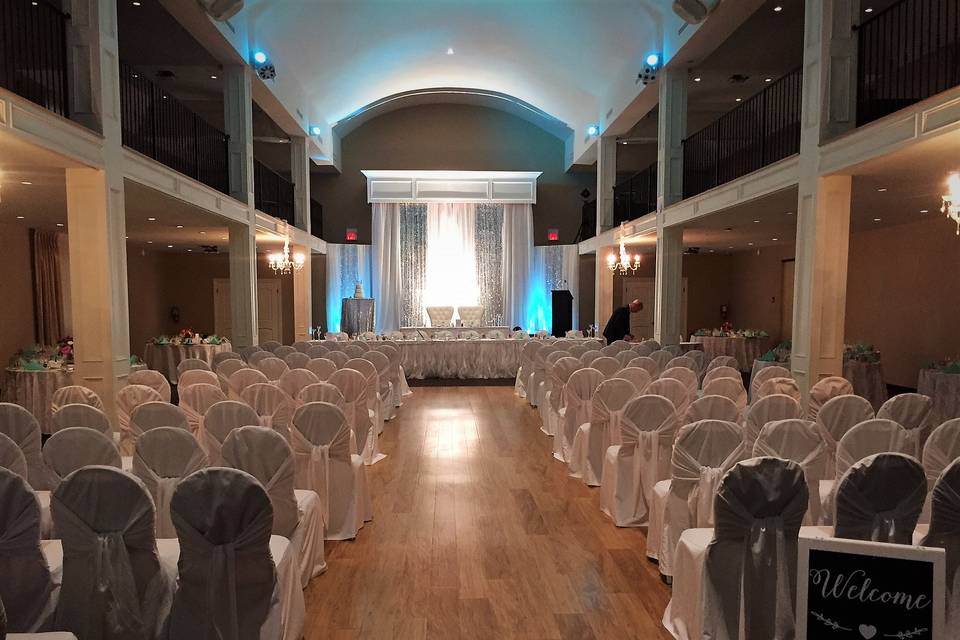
{"type": "Point", "coordinates": [16, 291]}
{"type": "Point", "coordinates": [452, 137]}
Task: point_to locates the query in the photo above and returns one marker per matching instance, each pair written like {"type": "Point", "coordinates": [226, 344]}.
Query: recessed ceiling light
{"type": "Point", "coordinates": [789, 213]}
{"type": "Point", "coordinates": [25, 182]}
{"type": "Point", "coordinates": [729, 247]}
{"type": "Point", "coordinates": [924, 211]}
{"type": "Point", "coordinates": [868, 10]}
{"type": "Point", "coordinates": [756, 221]}
{"type": "Point", "coordinates": [449, 51]}
{"type": "Point", "coordinates": [881, 189]}
{"type": "Point", "coordinates": [750, 243]}
{"type": "Point", "coordinates": [774, 239]}
{"type": "Point", "coordinates": [149, 241]}
{"type": "Point", "coordinates": [179, 226]}
{"type": "Point", "coordinates": [189, 250]}
{"type": "Point", "coordinates": [151, 219]}
{"type": "Point", "coordinates": [203, 233]}
{"type": "Point", "coordinates": [768, 79]}
{"type": "Point", "coordinates": [739, 99]}
{"type": "Point", "coordinates": [34, 3]}
{"type": "Point", "coordinates": [876, 219]}
{"type": "Point", "coordinates": [778, 8]}
{"type": "Point", "coordinates": [135, 3]}
{"type": "Point", "coordinates": [19, 217]}
{"type": "Point", "coordinates": [697, 79]}
{"type": "Point", "coordinates": [169, 246]}
{"type": "Point", "coordinates": [127, 237]}
{"type": "Point", "coordinates": [713, 250]}
{"type": "Point", "coordinates": [59, 224]}
{"type": "Point", "coordinates": [213, 77]}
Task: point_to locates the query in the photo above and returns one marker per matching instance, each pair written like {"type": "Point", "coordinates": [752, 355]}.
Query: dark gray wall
{"type": "Point", "coordinates": [457, 138]}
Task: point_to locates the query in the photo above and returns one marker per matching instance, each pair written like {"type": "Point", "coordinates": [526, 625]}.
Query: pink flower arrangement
{"type": "Point", "coordinates": [65, 348]}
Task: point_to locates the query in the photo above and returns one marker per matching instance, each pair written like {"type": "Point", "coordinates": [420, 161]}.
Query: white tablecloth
{"type": "Point", "coordinates": [867, 381]}
{"type": "Point", "coordinates": [33, 390]}
{"type": "Point", "coordinates": [463, 359]}
{"type": "Point", "coordinates": [944, 388]}
{"type": "Point", "coordinates": [745, 350]}
{"type": "Point", "coordinates": [165, 358]}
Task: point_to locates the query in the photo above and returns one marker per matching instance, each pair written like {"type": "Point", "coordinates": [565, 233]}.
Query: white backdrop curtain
{"type": "Point", "coordinates": [347, 264]}
{"type": "Point", "coordinates": [451, 278]}
{"type": "Point", "coordinates": [385, 254]}
{"type": "Point", "coordinates": [555, 266]}
{"type": "Point", "coordinates": [517, 264]}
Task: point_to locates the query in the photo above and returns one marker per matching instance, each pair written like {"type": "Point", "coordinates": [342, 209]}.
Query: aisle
{"type": "Point", "coordinates": [479, 533]}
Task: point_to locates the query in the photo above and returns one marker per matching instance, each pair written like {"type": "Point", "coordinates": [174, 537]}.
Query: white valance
{"type": "Point", "coordinates": [517, 187]}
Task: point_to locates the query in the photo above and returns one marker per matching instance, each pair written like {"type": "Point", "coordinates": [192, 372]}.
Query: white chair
{"type": "Point", "coordinates": [721, 371]}
{"type": "Point", "coordinates": [799, 441]}
{"type": "Point", "coordinates": [536, 385]}
{"type": "Point", "coordinates": [624, 358]}
{"type": "Point", "coordinates": [698, 358]}
{"type": "Point", "coordinates": [631, 469]}
{"type": "Point", "coordinates": [646, 363]}
{"type": "Point", "coordinates": [242, 379]}
{"type": "Point", "coordinates": [764, 374]}
{"type": "Point", "coordinates": [128, 399]}
{"type": "Point", "coordinates": [709, 407]}
{"type": "Point", "coordinates": [778, 386]}
{"type": "Point", "coordinates": [397, 376]}
{"type": "Point", "coordinates": [703, 453]}
{"type": "Point", "coordinates": [270, 345]}
{"type": "Point", "coordinates": [352, 385]}
{"type": "Point", "coordinates": [587, 358]}
{"type": "Point", "coordinates": [190, 364]}
{"type": "Point", "coordinates": [561, 371]}
{"type": "Point", "coordinates": [197, 376]}
{"type": "Point", "coordinates": [739, 575]}
{"type": "Point", "coordinates": [577, 399]}
{"type": "Point", "coordinates": [81, 415]}
{"type": "Point", "coordinates": [113, 585]}
{"type": "Point", "coordinates": [153, 379]}
{"type": "Point", "coordinates": [235, 579]}
{"type": "Point", "coordinates": [163, 457]}
{"type": "Point", "coordinates": [322, 392]}
{"type": "Point", "coordinates": [642, 349]}
{"type": "Point", "coordinates": [945, 533]}
{"type": "Point", "coordinates": [321, 445]}
{"type": "Point", "coordinates": [941, 449]}
{"type": "Point", "coordinates": [685, 375]}
{"type": "Point", "coordinates": [302, 346]}
{"type": "Point", "coordinates": [294, 380]}
{"type": "Point", "coordinates": [837, 416]}
{"type": "Point", "coordinates": [673, 390]}
{"type": "Point", "coordinates": [317, 351]}
{"type": "Point", "coordinates": [297, 514]}
{"type": "Point", "coordinates": [74, 394]}
{"type": "Point", "coordinates": [76, 447]}
{"type": "Point", "coordinates": [673, 349]}
{"type": "Point", "coordinates": [574, 333]}
{"type": "Point", "coordinates": [218, 422]}
{"type": "Point", "coordinates": [355, 349]}
{"type": "Point", "coordinates": [27, 587]}
{"type": "Point", "coordinates": [880, 499]}
{"type": "Point", "coordinates": [19, 425]}
{"type": "Point", "coordinates": [662, 357]}
{"type": "Point", "coordinates": [382, 363]}
{"type": "Point", "coordinates": [259, 356]}
{"type": "Point", "coordinates": [682, 361]}
{"type": "Point", "coordinates": [297, 360]}
{"type": "Point", "coordinates": [151, 415]}
{"type": "Point", "coordinates": [223, 356]}
{"type": "Point", "coordinates": [724, 361]}
{"type": "Point", "coordinates": [731, 388]}
{"type": "Point", "coordinates": [769, 409]}
{"type": "Point", "coordinates": [639, 378]}
{"type": "Point", "coordinates": [610, 351]}
{"type": "Point", "coordinates": [371, 392]}
{"type": "Point", "coordinates": [226, 369]}
{"type": "Point", "coordinates": [912, 412]}
{"type": "Point", "coordinates": [246, 352]}
{"type": "Point", "coordinates": [823, 390]}
{"type": "Point", "coordinates": [11, 457]}
{"type": "Point", "coordinates": [440, 316]}
{"type": "Point", "coordinates": [470, 316]}
{"type": "Point", "coordinates": [603, 430]}
{"type": "Point", "coordinates": [283, 351]}
{"type": "Point", "coordinates": [607, 365]}
{"type": "Point", "coordinates": [322, 368]}
{"type": "Point", "coordinates": [274, 406]}
{"type": "Point", "coordinates": [272, 367]}
{"type": "Point", "coordinates": [339, 358]}
{"type": "Point", "coordinates": [196, 399]}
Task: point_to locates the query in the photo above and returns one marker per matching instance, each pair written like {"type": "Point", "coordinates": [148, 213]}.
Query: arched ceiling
{"type": "Point", "coordinates": [560, 56]}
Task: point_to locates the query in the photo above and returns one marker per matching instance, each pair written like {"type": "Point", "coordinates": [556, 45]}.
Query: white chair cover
{"type": "Point", "coordinates": [317, 351]}
{"type": "Point", "coordinates": [772, 371]}
{"type": "Point", "coordinates": [26, 585]}
{"type": "Point", "coordinates": [196, 399]}
{"type": "Point", "coordinates": [259, 356]}
{"type": "Point", "coordinates": [338, 358]}
{"type": "Point", "coordinates": [81, 415]}
{"type": "Point", "coordinates": [222, 356]}
{"type": "Point", "coordinates": [724, 361]}
{"type": "Point", "coordinates": [76, 447]}
{"type": "Point", "coordinates": [712, 408]}
{"type": "Point", "coordinates": [227, 578]}
{"type": "Point", "coordinates": [113, 587]}
{"type": "Point", "coordinates": [382, 362]}
{"type": "Point", "coordinates": [610, 351]}
{"type": "Point", "coordinates": [302, 346]}
{"type": "Point", "coordinates": [470, 316]}
{"type": "Point", "coordinates": [823, 390]}
{"type": "Point", "coordinates": [778, 386]}
{"type": "Point", "coordinates": [11, 458]}
{"type": "Point", "coordinates": [321, 445]}
{"type": "Point", "coordinates": [593, 438]}
{"type": "Point", "coordinates": [322, 392]}
{"type": "Point", "coordinates": [837, 416]}
{"type": "Point", "coordinates": [226, 369]}
{"type": "Point", "coordinates": [19, 425]}
{"type": "Point", "coordinates": [624, 358]}
{"type": "Point", "coordinates": [589, 356]}
{"type": "Point", "coordinates": [526, 367]}
{"type": "Point", "coordinates": [577, 398]}
{"type": "Point", "coordinates": [630, 469]}
{"type": "Point", "coordinates": [440, 316]}
{"type": "Point", "coordinates": [731, 388]}
{"type": "Point", "coordinates": [642, 349]}
{"type": "Point", "coordinates": [273, 405]}
{"type": "Point", "coordinates": [661, 357]}
{"type": "Point", "coordinates": [685, 375]}
{"type": "Point", "coordinates": [242, 379]}
{"type": "Point", "coordinates": [294, 380]}
{"type": "Point", "coordinates": [190, 364]}
{"type": "Point", "coordinates": [682, 361]}
{"type": "Point", "coordinates": [151, 415]}
{"type": "Point", "coordinates": [163, 457]}
{"type": "Point", "coordinates": [639, 378]}
{"type": "Point", "coordinates": [538, 382]}
{"type": "Point", "coordinates": [218, 422]}
{"type": "Point", "coordinates": [352, 385]}
{"type": "Point", "coordinates": [560, 374]}
{"type": "Point", "coordinates": [945, 533]}
{"type": "Point", "coordinates": [912, 412]}
{"type": "Point", "coordinates": [880, 499]}
{"type": "Point", "coordinates": [868, 438]}
{"type": "Point", "coordinates": [74, 394]}
{"type": "Point", "coordinates": [607, 365]}
{"type": "Point", "coordinates": [942, 448]}
{"type": "Point", "coordinates": [246, 352]}
{"type": "Point", "coordinates": [272, 367]}
{"type": "Point", "coordinates": [799, 441]}
{"type": "Point", "coordinates": [371, 390]}
{"type": "Point", "coordinates": [153, 379]}
{"type": "Point", "coordinates": [322, 368]}
{"type": "Point", "coordinates": [297, 360]}
{"type": "Point", "coordinates": [673, 390]}
{"type": "Point", "coordinates": [283, 351]}
{"type": "Point", "coordinates": [703, 453]}
{"type": "Point", "coordinates": [355, 349]}
{"type": "Point", "coordinates": [698, 358]}
{"type": "Point", "coordinates": [128, 399]}
{"type": "Point", "coordinates": [721, 371]}
{"type": "Point", "coordinates": [270, 345]}
{"type": "Point", "coordinates": [769, 409]}
{"type": "Point", "coordinates": [646, 363]}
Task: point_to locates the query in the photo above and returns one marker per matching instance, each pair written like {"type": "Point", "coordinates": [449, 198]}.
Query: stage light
{"type": "Point", "coordinates": [315, 130]}
{"type": "Point", "coordinates": [259, 57]}
{"type": "Point", "coordinates": [593, 130]}
{"type": "Point", "coordinates": [351, 235]}
{"type": "Point", "coordinates": [653, 59]}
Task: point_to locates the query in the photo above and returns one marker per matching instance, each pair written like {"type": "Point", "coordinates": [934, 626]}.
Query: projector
{"type": "Point", "coordinates": [694, 11]}
{"type": "Point", "coordinates": [221, 9]}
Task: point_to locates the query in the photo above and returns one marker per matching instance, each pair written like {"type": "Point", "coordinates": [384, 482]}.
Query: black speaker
{"type": "Point", "coordinates": [562, 313]}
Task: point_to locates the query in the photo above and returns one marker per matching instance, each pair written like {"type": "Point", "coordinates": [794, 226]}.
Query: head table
{"type": "Point", "coordinates": [33, 389]}
{"type": "Point", "coordinates": [165, 357]}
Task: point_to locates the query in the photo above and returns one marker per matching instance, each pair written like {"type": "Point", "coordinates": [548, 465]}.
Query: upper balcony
{"type": "Point", "coordinates": [33, 53]}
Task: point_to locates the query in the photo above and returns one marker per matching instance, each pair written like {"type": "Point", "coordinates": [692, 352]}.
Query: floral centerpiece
{"type": "Point", "coordinates": [947, 365]}
{"type": "Point", "coordinates": [780, 353]}
{"type": "Point", "coordinates": [861, 352]}
{"type": "Point", "coordinates": [38, 357]}
{"type": "Point", "coordinates": [189, 337]}
{"type": "Point", "coordinates": [726, 330]}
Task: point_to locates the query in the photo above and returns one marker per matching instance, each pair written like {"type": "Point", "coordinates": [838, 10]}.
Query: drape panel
{"type": "Point", "coordinates": [413, 263]}
{"type": "Point", "coordinates": [347, 264]}
{"type": "Point", "coordinates": [554, 267]}
{"type": "Point", "coordinates": [385, 254]}
{"type": "Point", "coordinates": [451, 278]}
{"type": "Point", "coordinates": [47, 291]}
{"type": "Point", "coordinates": [517, 263]}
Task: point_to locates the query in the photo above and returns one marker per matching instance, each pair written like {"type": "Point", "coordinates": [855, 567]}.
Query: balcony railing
{"type": "Point", "coordinates": [33, 53]}
{"type": "Point", "coordinates": [907, 53]}
{"type": "Point", "coordinates": [762, 130]}
{"type": "Point", "coordinates": [157, 125]}
{"type": "Point", "coordinates": [273, 194]}
{"type": "Point", "coordinates": [636, 196]}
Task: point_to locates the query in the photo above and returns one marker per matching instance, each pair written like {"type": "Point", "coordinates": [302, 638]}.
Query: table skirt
{"type": "Point", "coordinates": [745, 350]}
{"type": "Point", "coordinates": [944, 388]}
{"type": "Point", "coordinates": [461, 359]}
{"type": "Point", "coordinates": [165, 358]}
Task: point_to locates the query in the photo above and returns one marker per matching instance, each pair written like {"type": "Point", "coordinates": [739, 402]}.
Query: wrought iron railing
{"type": "Point", "coordinates": [154, 123]}
{"type": "Point", "coordinates": [760, 131]}
{"type": "Point", "coordinates": [636, 196]}
{"type": "Point", "coordinates": [273, 194]}
{"type": "Point", "coordinates": [906, 53]}
{"type": "Point", "coordinates": [33, 53]}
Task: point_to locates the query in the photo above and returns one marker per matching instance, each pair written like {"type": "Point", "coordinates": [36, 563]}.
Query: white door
{"type": "Point", "coordinates": [269, 308]}
{"type": "Point", "coordinates": [645, 290]}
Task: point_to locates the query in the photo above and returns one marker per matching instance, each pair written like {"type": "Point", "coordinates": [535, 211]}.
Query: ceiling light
{"type": "Point", "coordinates": [778, 8]}
{"type": "Point", "coordinates": [652, 59]}
{"type": "Point", "coordinates": [868, 10]}
{"type": "Point", "coordinates": [593, 130]}
{"type": "Point", "coordinates": [179, 226]}
{"type": "Point", "coordinates": [151, 219]}
{"type": "Point", "coordinates": [189, 250]}
{"type": "Point", "coordinates": [881, 189]}
{"type": "Point", "coordinates": [449, 51]}
{"type": "Point", "coordinates": [768, 79]}
{"type": "Point", "coordinates": [149, 241]}
{"type": "Point", "coordinates": [25, 182]}
{"type": "Point", "coordinates": [697, 79]}
{"type": "Point", "coordinates": [774, 239]}
{"type": "Point", "coordinates": [19, 217]}
{"type": "Point", "coordinates": [924, 210]}
{"type": "Point", "coordinates": [729, 247]}
{"type": "Point", "coordinates": [135, 3]}
{"type": "Point", "coordinates": [203, 233]}
{"type": "Point", "coordinates": [789, 213]}
{"type": "Point", "coordinates": [876, 219]}
{"type": "Point", "coordinates": [756, 221]}
{"type": "Point", "coordinates": [750, 244]}
{"type": "Point", "coordinates": [169, 246]}
{"type": "Point", "coordinates": [315, 130]}
{"type": "Point", "coordinates": [59, 224]}
{"type": "Point", "coordinates": [259, 57]}
{"type": "Point", "coordinates": [213, 77]}
{"type": "Point", "coordinates": [739, 99]}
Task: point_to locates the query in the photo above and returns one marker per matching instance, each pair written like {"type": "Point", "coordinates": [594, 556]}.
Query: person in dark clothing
{"type": "Point", "coordinates": [618, 326]}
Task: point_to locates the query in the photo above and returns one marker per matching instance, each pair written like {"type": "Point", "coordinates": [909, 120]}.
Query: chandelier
{"type": "Point", "coordinates": [951, 200]}
{"type": "Point", "coordinates": [624, 264]}
{"type": "Point", "coordinates": [281, 262]}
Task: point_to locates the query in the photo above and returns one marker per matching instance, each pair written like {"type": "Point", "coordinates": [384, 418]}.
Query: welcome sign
{"type": "Point", "coordinates": [855, 590]}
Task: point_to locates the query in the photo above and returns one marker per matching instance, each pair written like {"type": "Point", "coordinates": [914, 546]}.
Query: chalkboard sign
{"type": "Point", "coordinates": [854, 590]}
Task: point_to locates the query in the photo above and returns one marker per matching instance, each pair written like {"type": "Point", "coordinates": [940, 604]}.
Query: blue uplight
{"type": "Point", "coordinates": [259, 57]}
{"type": "Point", "coordinates": [653, 59]}
{"type": "Point", "coordinates": [593, 130]}
{"type": "Point", "coordinates": [315, 130]}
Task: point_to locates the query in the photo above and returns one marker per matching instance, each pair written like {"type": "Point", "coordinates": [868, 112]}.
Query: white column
{"type": "Point", "coordinates": [238, 120]}
{"type": "Point", "coordinates": [823, 215]}
{"type": "Point", "coordinates": [671, 129]}
{"type": "Point", "coordinates": [303, 279]}
{"type": "Point", "coordinates": [303, 296]}
{"type": "Point", "coordinates": [606, 181]}
{"type": "Point", "coordinates": [97, 224]}
{"type": "Point", "coordinates": [300, 173]}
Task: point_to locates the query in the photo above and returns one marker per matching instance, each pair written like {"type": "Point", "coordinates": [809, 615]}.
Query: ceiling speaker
{"type": "Point", "coordinates": [221, 9]}
{"type": "Point", "coordinates": [694, 11]}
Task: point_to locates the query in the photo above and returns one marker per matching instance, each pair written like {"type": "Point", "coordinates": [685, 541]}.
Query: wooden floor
{"type": "Point", "coordinates": [479, 533]}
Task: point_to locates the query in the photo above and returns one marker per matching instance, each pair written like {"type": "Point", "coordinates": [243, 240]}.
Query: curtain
{"type": "Point", "coordinates": [517, 264]}
{"type": "Point", "coordinates": [554, 267]}
{"type": "Point", "coordinates": [47, 291]}
{"type": "Point", "coordinates": [385, 254]}
{"type": "Point", "coordinates": [347, 264]}
{"type": "Point", "coordinates": [489, 254]}
{"type": "Point", "coordinates": [413, 263]}
{"type": "Point", "coordinates": [451, 271]}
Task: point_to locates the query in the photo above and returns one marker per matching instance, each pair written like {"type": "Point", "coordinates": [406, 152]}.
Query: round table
{"type": "Point", "coordinates": [867, 381]}
{"type": "Point", "coordinates": [33, 390]}
{"type": "Point", "coordinates": [165, 357]}
{"type": "Point", "coordinates": [745, 350]}
{"type": "Point", "coordinates": [944, 389]}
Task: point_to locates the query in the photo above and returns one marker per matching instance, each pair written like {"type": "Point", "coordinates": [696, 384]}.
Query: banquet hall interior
{"type": "Point", "coordinates": [482, 319]}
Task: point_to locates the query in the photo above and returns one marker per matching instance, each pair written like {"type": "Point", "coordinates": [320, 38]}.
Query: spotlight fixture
{"type": "Point", "coordinates": [653, 60]}
{"type": "Point", "coordinates": [449, 51]}
{"type": "Point", "coordinates": [20, 217]}
{"type": "Point", "coordinates": [739, 99]}
{"type": "Point", "coordinates": [649, 72]}
{"type": "Point", "coordinates": [179, 226]}
{"type": "Point", "coordinates": [264, 67]}
{"type": "Point", "coordinates": [315, 130]}
{"type": "Point", "coordinates": [868, 10]}
{"type": "Point", "coordinates": [213, 77]}
{"type": "Point", "coordinates": [260, 57]}
{"type": "Point", "coordinates": [768, 79]}
{"type": "Point", "coordinates": [593, 130]}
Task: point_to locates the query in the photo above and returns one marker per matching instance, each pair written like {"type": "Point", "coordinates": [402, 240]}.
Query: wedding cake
{"type": "Point", "coordinates": [358, 290]}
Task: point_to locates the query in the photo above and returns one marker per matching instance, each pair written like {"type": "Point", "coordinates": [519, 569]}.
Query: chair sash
{"type": "Point", "coordinates": [880, 499]}
{"type": "Point", "coordinates": [161, 487]}
{"type": "Point", "coordinates": [704, 480]}
{"type": "Point", "coordinates": [313, 462]}
{"type": "Point", "coordinates": [645, 443]}
{"type": "Point", "coordinates": [945, 533]}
